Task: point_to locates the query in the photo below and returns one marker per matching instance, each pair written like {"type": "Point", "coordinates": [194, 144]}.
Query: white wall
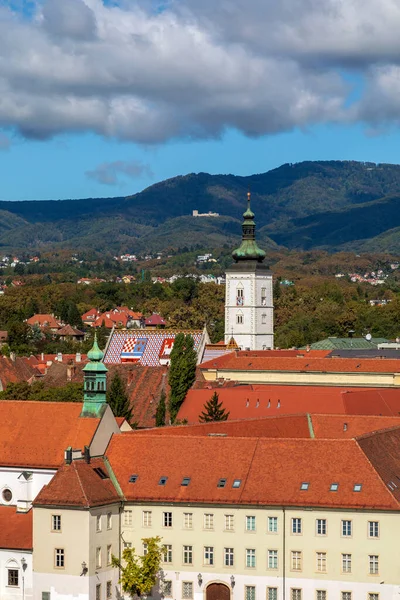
{"type": "Point", "coordinates": [23, 491]}
{"type": "Point", "coordinates": [11, 559]}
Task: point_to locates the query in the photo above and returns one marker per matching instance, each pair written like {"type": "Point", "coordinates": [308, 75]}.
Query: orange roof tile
{"type": "Point", "coordinates": [44, 321]}
{"type": "Point", "coordinates": [270, 471]}
{"type": "Point", "coordinates": [261, 361]}
{"type": "Point", "coordinates": [35, 434]}
{"type": "Point", "coordinates": [15, 529]}
{"type": "Point", "coordinates": [78, 484]}
{"type": "Point", "coordinates": [350, 426]}
{"type": "Point", "coordinates": [252, 401]}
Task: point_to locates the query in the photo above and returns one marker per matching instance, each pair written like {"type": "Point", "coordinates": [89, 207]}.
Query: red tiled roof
{"type": "Point", "coordinates": [271, 471]}
{"type": "Point", "coordinates": [13, 371]}
{"type": "Point", "coordinates": [261, 361]}
{"type": "Point", "coordinates": [15, 529]}
{"type": "Point", "coordinates": [69, 330]}
{"type": "Point", "coordinates": [253, 401]}
{"type": "Point", "coordinates": [90, 314]}
{"type": "Point", "coordinates": [382, 449]}
{"type": "Point", "coordinates": [155, 320]}
{"type": "Point", "coordinates": [350, 426]}
{"type": "Point", "coordinates": [284, 426]}
{"type": "Point", "coordinates": [78, 484]}
{"type": "Point", "coordinates": [110, 319]}
{"type": "Point", "coordinates": [35, 434]}
{"type": "Point", "coordinates": [44, 321]}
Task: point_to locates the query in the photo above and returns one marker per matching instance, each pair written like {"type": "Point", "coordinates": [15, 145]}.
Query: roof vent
{"type": "Point", "coordinates": [163, 480]}
{"type": "Point", "coordinates": [221, 483]}
{"type": "Point", "coordinates": [334, 487]}
{"type": "Point", "coordinates": [185, 481]}
{"type": "Point", "coordinates": [357, 487]}
{"type": "Point", "coordinates": [133, 478]}
{"type": "Point", "coordinates": [345, 426]}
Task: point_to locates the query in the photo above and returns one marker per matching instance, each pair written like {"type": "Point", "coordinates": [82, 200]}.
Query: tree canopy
{"type": "Point", "coordinates": [139, 573]}
{"type": "Point", "coordinates": [182, 371]}
{"type": "Point", "coordinates": [118, 399]}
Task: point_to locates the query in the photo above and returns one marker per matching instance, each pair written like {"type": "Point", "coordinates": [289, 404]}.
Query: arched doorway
{"type": "Point", "coordinates": [218, 591]}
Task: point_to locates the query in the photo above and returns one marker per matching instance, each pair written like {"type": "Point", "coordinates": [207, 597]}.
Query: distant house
{"type": "Point", "coordinates": [89, 317]}
{"type": "Point", "coordinates": [155, 321]}
{"type": "Point", "coordinates": [3, 338]}
{"type": "Point", "coordinates": [45, 322]}
{"type": "Point", "coordinates": [68, 333]}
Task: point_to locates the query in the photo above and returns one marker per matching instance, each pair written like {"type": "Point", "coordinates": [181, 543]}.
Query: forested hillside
{"type": "Point", "coordinates": [332, 205]}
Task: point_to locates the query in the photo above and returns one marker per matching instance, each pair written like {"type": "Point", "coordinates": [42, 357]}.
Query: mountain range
{"type": "Point", "coordinates": [331, 205]}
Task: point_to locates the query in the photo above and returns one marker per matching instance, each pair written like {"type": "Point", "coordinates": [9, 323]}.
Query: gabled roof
{"type": "Point", "coordinates": [79, 485]}
{"type": "Point", "coordinates": [20, 369]}
{"type": "Point", "coordinates": [332, 343]}
{"type": "Point", "coordinates": [36, 434]}
{"type": "Point", "coordinates": [155, 320]}
{"type": "Point", "coordinates": [383, 450]}
{"type": "Point", "coordinates": [350, 426]}
{"type": "Point", "coordinates": [260, 361]}
{"type": "Point", "coordinates": [15, 529]}
{"type": "Point", "coordinates": [69, 330]}
{"type": "Point", "coordinates": [44, 321]}
{"type": "Point", "coordinates": [270, 471]}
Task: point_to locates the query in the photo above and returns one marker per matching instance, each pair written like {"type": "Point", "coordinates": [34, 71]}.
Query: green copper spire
{"type": "Point", "coordinates": [95, 383]}
{"type": "Point", "coordinates": [248, 249]}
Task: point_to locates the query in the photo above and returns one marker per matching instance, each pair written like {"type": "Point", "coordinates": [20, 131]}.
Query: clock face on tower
{"type": "Point", "coordinates": [239, 301]}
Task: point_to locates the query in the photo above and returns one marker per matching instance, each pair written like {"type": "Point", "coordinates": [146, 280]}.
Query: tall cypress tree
{"type": "Point", "coordinates": [182, 371]}
{"type": "Point", "coordinates": [117, 398]}
{"type": "Point", "coordinates": [161, 410]}
{"type": "Point", "coordinates": [213, 411]}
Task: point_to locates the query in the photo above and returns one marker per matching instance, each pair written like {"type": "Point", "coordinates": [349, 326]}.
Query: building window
{"type": "Point", "coordinates": [239, 319]}
{"type": "Point", "coordinates": [295, 594]}
{"type": "Point", "coordinates": [373, 596]}
{"type": "Point", "coordinates": [321, 526]}
{"type": "Point", "coordinates": [145, 548]}
{"type": "Point", "coordinates": [250, 523]}
{"type": "Point", "coordinates": [208, 521]}
{"type": "Point", "coordinates": [239, 297]}
{"type": "Point", "coordinates": [187, 589]}
{"type": "Point", "coordinates": [167, 588]}
{"type": "Point", "coordinates": [263, 296]}
{"type": "Point", "coordinates": [208, 555]}
{"type": "Point", "coordinates": [272, 593]}
{"type": "Point", "coordinates": [59, 558]}
{"type": "Point", "coordinates": [273, 524]}
{"type": "Point", "coordinates": [347, 528]}
{"type": "Point", "coordinates": [228, 557]}
{"type": "Point", "coordinates": [346, 563]}
{"type": "Point", "coordinates": [127, 518]}
{"type": "Point", "coordinates": [250, 558]}
{"type": "Point", "coordinates": [98, 558]}
{"type": "Point", "coordinates": [109, 590]}
{"type": "Point", "coordinates": [229, 523]}
{"type": "Point", "coordinates": [296, 560]}
{"type": "Point", "coordinates": [98, 523]}
{"type": "Point", "coordinates": [263, 319]}
{"type": "Point", "coordinates": [346, 595]}
{"type": "Point", "coordinates": [98, 591]}
{"type": "Point", "coordinates": [127, 545]}
{"type": "Point", "coordinates": [187, 520]}
{"type": "Point", "coordinates": [321, 595]}
{"type": "Point", "coordinates": [250, 592]}
{"type": "Point", "coordinates": [373, 529]}
{"type": "Point", "coordinates": [147, 518]}
{"type": "Point", "coordinates": [373, 564]}
{"type": "Point", "coordinates": [296, 526]}
{"type": "Point", "coordinates": [167, 556]}
{"type": "Point", "coordinates": [321, 562]}
{"type": "Point", "coordinates": [187, 555]}
{"type": "Point", "coordinates": [272, 559]}
{"type": "Point", "coordinates": [167, 519]}
{"type": "Point", "coordinates": [56, 522]}
{"type": "Point", "coordinates": [45, 595]}
{"type": "Point", "coordinates": [109, 520]}
{"type": "Point", "coordinates": [109, 554]}
{"type": "Point", "coordinates": [13, 578]}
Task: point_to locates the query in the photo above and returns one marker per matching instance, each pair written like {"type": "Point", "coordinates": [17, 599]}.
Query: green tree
{"type": "Point", "coordinates": [182, 371]}
{"type": "Point", "coordinates": [73, 316]}
{"type": "Point", "coordinates": [118, 399]}
{"type": "Point", "coordinates": [139, 573]}
{"type": "Point", "coordinates": [213, 411]}
{"type": "Point", "coordinates": [161, 410]}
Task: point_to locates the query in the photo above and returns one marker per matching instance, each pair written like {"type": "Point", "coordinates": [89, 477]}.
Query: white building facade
{"type": "Point", "coordinates": [249, 311]}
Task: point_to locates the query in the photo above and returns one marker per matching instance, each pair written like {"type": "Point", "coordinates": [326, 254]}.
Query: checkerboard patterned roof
{"type": "Point", "coordinates": [125, 341]}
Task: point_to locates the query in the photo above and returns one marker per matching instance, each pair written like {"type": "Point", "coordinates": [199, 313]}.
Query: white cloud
{"type": "Point", "coordinates": [192, 69]}
{"type": "Point", "coordinates": [109, 173]}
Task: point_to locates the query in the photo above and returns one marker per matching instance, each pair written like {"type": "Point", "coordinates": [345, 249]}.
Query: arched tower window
{"type": "Point", "coordinates": [239, 295]}
{"type": "Point", "coordinates": [263, 296]}
{"type": "Point", "coordinates": [239, 318]}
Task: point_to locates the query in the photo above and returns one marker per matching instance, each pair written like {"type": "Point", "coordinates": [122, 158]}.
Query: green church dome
{"type": "Point", "coordinates": [248, 249]}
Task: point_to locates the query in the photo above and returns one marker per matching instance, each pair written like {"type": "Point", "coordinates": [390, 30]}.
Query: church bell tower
{"type": "Point", "coordinates": [249, 311]}
{"type": "Point", "coordinates": [94, 383]}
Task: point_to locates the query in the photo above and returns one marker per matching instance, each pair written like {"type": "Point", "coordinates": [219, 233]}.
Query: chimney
{"type": "Point", "coordinates": [344, 426]}
{"type": "Point", "coordinates": [68, 455]}
{"type": "Point", "coordinates": [86, 454]}
{"type": "Point", "coordinates": [59, 356]}
{"type": "Point", "coordinates": [42, 356]}
{"type": "Point", "coordinates": [78, 357]}
{"type": "Point", "coordinates": [12, 356]}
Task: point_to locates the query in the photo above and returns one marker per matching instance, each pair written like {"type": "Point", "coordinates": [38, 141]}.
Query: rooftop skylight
{"type": "Point", "coordinates": [221, 483]}
{"type": "Point", "coordinates": [304, 485]}
{"type": "Point", "coordinates": [236, 483]}
{"type": "Point", "coordinates": [100, 473]}
{"type": "Point", "coordinates": [334, 487]}
{"type": "Point", "coordinates": [185, 481]}
{"type": "Point", "coordinates": [163, 480]}
{"type": "Point", "coordinates": [357, 487]}
{"type": "Point", "coordinates": [133, 478]}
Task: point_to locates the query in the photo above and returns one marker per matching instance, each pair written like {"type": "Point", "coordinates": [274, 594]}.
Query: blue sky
{"type": "Point", "coordinates": [104, 99]}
